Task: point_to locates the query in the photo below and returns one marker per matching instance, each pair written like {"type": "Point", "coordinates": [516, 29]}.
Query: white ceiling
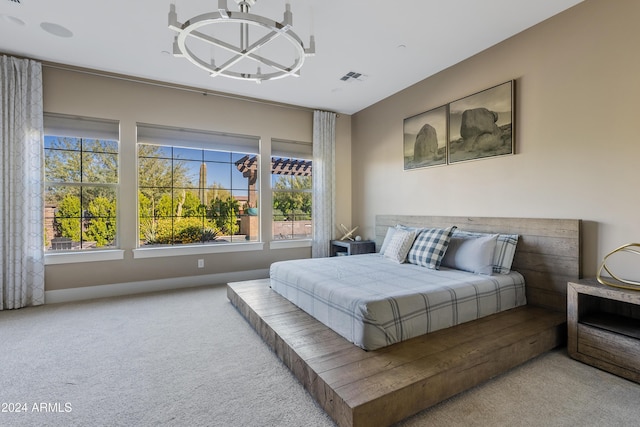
{"type": "Point", "coordinates": [131, 37]}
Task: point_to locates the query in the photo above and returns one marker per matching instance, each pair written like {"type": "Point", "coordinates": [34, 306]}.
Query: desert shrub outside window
{"type": "Point", "coordinates": [292, 190]}
{"type": "Point", "coordinates": [81, 183]}
{"type": "Point", "coordinates": [192, 188]}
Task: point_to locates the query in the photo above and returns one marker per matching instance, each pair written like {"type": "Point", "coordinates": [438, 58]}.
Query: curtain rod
{"type": "Point", "coordinates": [171, 86]}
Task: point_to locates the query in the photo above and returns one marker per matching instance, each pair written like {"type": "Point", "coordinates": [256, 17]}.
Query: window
{"type": "Point", "coordinates": [81, 183]}
{"type": "Point", "coordinates": [194, 187]}
{"type": "Point", "coordinates": [291, 185]}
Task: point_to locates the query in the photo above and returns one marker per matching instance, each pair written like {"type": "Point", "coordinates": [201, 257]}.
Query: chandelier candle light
{"type": "Point", "coordinates": [242, 43]}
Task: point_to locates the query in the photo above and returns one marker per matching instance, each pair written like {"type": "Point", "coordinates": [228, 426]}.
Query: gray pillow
{"type": "Point", "coordinates": [473, 254]}
{"type": "Point", "coordinates": [503, 253]}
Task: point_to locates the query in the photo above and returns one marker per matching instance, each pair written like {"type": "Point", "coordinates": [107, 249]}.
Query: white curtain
{"type": "Point", "coordinates": [21, 216]}
{"type": "Point", "coordinates": [323, 204]}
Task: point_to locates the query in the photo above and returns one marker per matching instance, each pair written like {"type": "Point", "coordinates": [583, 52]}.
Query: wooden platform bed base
{"type": "Point", "coordinates": [381, 387]}
{"type": "Point", "coordinates": [365, 388]}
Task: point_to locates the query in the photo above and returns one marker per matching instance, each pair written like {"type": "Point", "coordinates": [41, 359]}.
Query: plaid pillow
{"type": "Point", "coordinates": [503, 253]}
{"type": "Point", "coordinates": [430, 246]}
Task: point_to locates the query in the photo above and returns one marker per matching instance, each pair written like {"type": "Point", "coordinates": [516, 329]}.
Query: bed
{"type": "Point", "coordinates": [374, 302]}
{"type": "Point", "coordinates": [385, 385]}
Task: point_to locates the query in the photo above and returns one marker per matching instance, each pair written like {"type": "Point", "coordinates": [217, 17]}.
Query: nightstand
{"type": "Point", "coordinates": [350, 247]}
{"type": "Point", "coordinates": [604, 327]}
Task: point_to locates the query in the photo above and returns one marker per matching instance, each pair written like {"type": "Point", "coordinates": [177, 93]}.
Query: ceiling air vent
{"type": "Point", "coordinates": [352, 75]}
{"type": "Point", "coordinates": [15, 1]}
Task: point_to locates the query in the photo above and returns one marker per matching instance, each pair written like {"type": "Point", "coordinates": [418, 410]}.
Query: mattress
{"type": "Point", "coordinates": [374, 302]}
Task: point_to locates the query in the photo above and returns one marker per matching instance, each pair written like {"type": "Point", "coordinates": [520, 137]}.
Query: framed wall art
{"type": "Point", "coordinates": [425, 139]}
{"type": "Point", "coordinates": [481, 125]}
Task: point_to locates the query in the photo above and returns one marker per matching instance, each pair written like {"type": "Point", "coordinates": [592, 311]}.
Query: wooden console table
{"type": "Point", "coordinates": [604, 327]}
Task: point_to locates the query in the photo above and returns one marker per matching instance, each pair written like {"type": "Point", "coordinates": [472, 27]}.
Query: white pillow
{"type": "Point", "coordinates": [390, 233]}
{"type": "Point", "coordinates": [399, 245]}
{"type": "Point", "coordinates": [473, 254]}
{"type": "Point", "coordinates": [387, 238]}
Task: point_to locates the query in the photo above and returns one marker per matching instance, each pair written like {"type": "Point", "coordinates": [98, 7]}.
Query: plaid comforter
{"type": "Point", "coordinates": [374, 302]}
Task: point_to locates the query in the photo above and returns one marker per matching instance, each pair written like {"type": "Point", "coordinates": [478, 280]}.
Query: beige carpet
{"type": "Point", "coordinates": [187, 358]}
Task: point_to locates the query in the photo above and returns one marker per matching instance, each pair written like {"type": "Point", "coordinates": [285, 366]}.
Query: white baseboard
{"type": "Point", "coordinates": [130, 288]}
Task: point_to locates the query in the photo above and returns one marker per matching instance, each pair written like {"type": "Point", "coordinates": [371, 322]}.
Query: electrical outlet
{"type": "Point", "coordinates": [200, 263]}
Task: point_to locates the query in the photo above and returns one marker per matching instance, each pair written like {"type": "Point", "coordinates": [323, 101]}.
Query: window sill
{"type": "Point", "coordinates": [85, 256]}
{"type": "Point", "coordinates": [288, 244]}
{"type": "Point", "coordinates": [196, 250]}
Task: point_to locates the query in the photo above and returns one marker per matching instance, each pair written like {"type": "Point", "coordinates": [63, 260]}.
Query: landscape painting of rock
{"type": "Point", "coordinates": [481, 125]}
{"type": "Point", "coordinates": [425, 139]}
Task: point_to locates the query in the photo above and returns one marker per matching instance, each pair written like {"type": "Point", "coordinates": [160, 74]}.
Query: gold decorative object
{"type": "Point", "coordinates": [347, 233]}
{"type": "Point", "coordinates": [624, 283]}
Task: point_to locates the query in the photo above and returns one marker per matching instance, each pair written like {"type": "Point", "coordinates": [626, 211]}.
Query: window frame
{"type": "Point", "coordinates": [291, 151]}
{"type": "Point", "coordinates": [84, 129]}
{"type": "Point", "coordinates": [204, 141]}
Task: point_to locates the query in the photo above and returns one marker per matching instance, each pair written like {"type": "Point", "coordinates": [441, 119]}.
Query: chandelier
{"type": "Point", "coordinates": [240, 45]}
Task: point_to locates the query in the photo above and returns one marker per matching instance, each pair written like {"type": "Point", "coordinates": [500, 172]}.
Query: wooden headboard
{"type": "Point", "coordinates": [548, 254]}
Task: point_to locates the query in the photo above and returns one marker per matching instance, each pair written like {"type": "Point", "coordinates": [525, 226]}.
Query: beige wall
{"type": "Point", "coordinates": [82, 94]}
{"type": "Point", "coordinates": [577, 148]}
